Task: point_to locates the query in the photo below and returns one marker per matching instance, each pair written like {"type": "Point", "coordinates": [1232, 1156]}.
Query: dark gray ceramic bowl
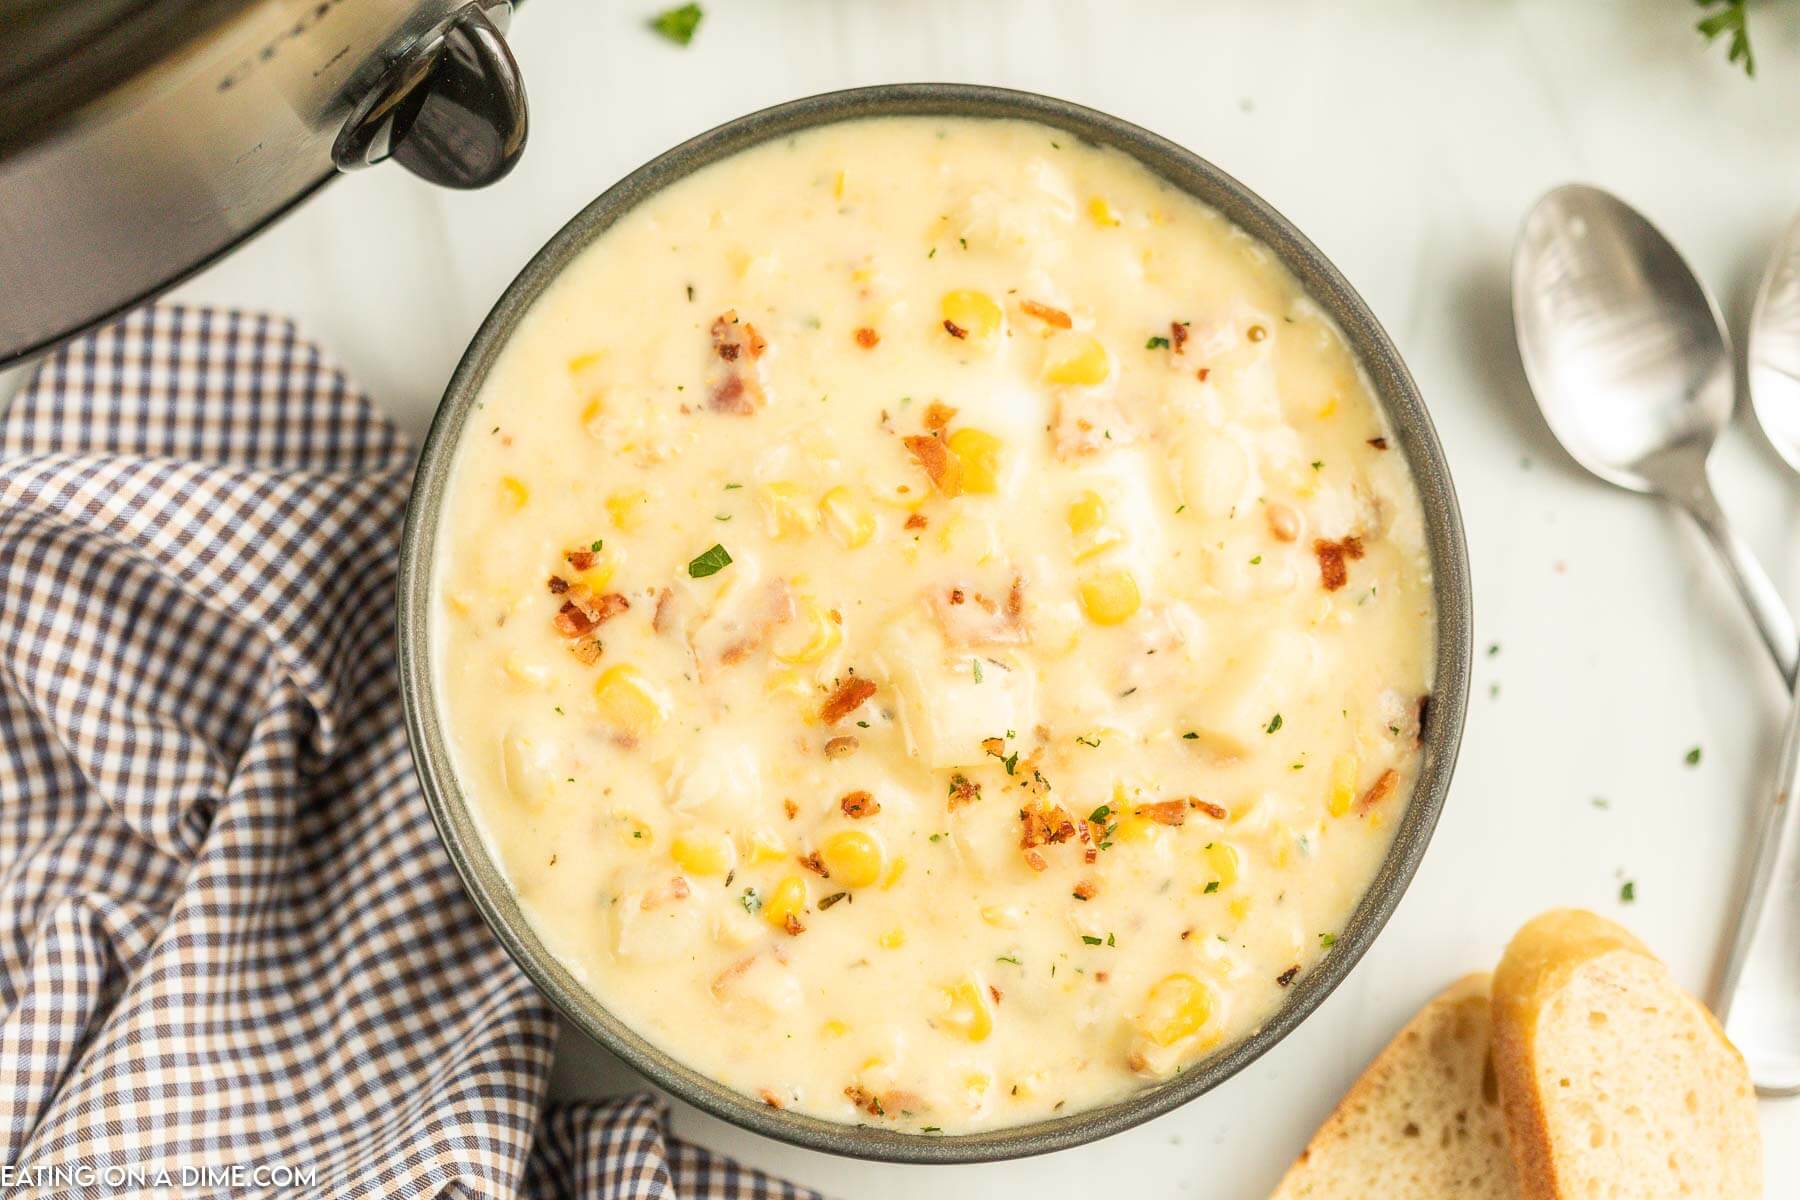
{"type": "Point", "coordinates": [1394, 388]}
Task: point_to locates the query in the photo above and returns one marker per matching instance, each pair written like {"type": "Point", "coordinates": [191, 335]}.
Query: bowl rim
{"type": "Point", "coordinates": [1395, 392]}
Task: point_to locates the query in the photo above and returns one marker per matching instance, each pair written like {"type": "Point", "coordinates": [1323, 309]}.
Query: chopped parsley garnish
{"type": "Point", "coordinates": [1628, 891]}
{"type": "Point", "coordinates": [1009, 958]}
{"type": "Point", "coordinates": [1212, 886]}
{"type": "Point", "coordinates": [1327, 940]}
{"type": "Point", "coordinates": [751, 901]}
{"type": "Point", "coordinates": [1274, 724]}
{"type": "Point", "coordinates": [1091, 742]}
{"type": "Point", "coordinates": [1157, 343]}
{"type": "Point", "coordinates": [1190, 736]}
{"type": "Point", "coordinates": [1010, 762]}
{"type": "Point", "coordinates": [732, 487]}
{"type": "Point", "coordinates": [1318, 464]}
{"type": "Point", "coordinates": [1099, 815]}
{"type": "Point", "coordinates": [975, 669]}
{"type": "Point", "coordinates": [1090, 939]}
{"type": "Point", "coordinates": [678, 24]}
{"type": "Point", "coordinates": [1493, 649]}
{"type": "Point", "coordinates": [598, 543]}
{"type": "Point", "coordinates": [937, 837]}
{"type": "Point", "coordinates": [1257, 561]}
{"type": "Point", "coordinates": [1109, 940]}
{"type": "Point", "coordinates": [710, 563]}
{"type": "Point", "coordinates": [559, 711]}
{"type": "Point", "coordinates": [1692, 758]}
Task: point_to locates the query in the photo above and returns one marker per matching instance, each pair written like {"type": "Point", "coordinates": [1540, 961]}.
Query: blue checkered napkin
{"type": "Point", "coordinates": [233, 956]}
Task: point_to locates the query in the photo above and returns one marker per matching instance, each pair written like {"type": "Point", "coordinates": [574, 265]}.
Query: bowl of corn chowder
{"type": "Point", "coordinates": [934, 623]}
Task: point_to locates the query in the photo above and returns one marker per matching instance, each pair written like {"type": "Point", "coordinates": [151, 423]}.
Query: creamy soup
{"type": "Point", "coordinates": [933, 624]}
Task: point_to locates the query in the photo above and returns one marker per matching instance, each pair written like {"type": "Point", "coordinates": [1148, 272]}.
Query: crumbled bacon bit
{"type": "Point", "coordinates": [963, 791]}
{"type": "Point", "coordinates": [1186, 934]}
{"type": "Point", "coordinates": [1086, 889]}
{"type": "Point", "coordinates": [839, 747]}
{"type": "Point", "coordinates": [571, 621]}
{"type": "Point", "coordinates": [1164, 812]}
{"type": "Point", "coordinates": [660, 620]}
{"type": "Point", "coordinates": [581, 560]}
{"type": "Point", "coordinates": [586, 650]}
{"type": "Point", "coordinates": [736, 393]}
{"type": "Point", "coordinates": [995, 993]}
{"type": "Point", "coordinates": [1015, 597]}
{"type": "Point", "coordinates": [1102, 976]}
{"type": "Point", "coordinates": [867, 338]}
{"type": "Point", "coordinates": [769, 1098]}
{"type": "Point", "coordinates": [675, 889]}
{"type": "Point", "coordinates": [558, 585]}
{"type": "Point", "coordinates": [866, 1100]}
{"type": "Point", "coordinates": [1380, 790]}
{"type": "Point", "coordinates": [610, 606]}
{"type": "Point", "coordinates": [1044, 825]}
{"type": "Point", "coordinates": [791, 926]}
{"type": "Point", "coordinates": [995, 747]}
{"type": "Point", "coordinates": [1215, 811]}
{"type": "Point", "coordinates": [790, 808]}
{"type": "Point", "coordinates": [955, 595]}
{"type": "Point", "coordinates": [1049, 316]}
{"type": "Point", "coordinates": [1202, 373]}
{"type": "Point", "coordinates": [813, 863]}
{"type": "Point", "coordinates": [915, 521]}
{"type": "Point", "coordinates": [1178, 335]}
{"type": "Point", "coordinates": [954, 330]}
{"type": "Point", "coordinates": [1035, 861]}
{"type": "Point", "coordinates": [1287, 976]}
{"type": "Point", "coordinates": [931, 454]}
{"type": "Point", "coordinates": [938, 416]}
{"type": "Point", "coordinates": [859, 804]}
{"type": "Point", "coordinates": [845, 699]}
{"type": "Point", "coordinates": [1380, 443]}
{"type": "Point", "coordinates": [1333, 571]}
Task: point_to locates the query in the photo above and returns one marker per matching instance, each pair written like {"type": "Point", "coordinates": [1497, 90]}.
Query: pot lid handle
{"type": "Point", "coordinates": [451, 109]}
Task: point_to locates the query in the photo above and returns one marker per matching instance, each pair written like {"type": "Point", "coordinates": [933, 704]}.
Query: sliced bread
{"type": "Point", "coordinates": [1423, 1122]}
{"type": "Point", "coordinates": [1615, 1083]}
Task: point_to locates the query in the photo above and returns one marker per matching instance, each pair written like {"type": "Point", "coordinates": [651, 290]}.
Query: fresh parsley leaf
{"type": "Point", "coordinates": [1157, 343]}
{"type": "Point", "coordinates": [1009, 958]}
{"type": "Point", "coordinates": [678, 24]}
{"type": "Point", "coordinates": [975, 668]}
{"type": "Point", "coordinates": [1274, 724]}
{"type": "Point", "coordinates": [1730, 19]}
{"type": "Point", "coordinates": [1692, 758]}
{"type": "Point", "coordinates": [1628, 891]}
{"type": "Point", "coordinates": [1090, 940]}
{"type": "Point", "coordinates": [1190, 736]}
{"type": "Point", "coordinates": [1212, 886]}
{"type": "Point", "coordinates": [1327, 940]}
{"type": "Point", "coordinates": [751, 901]}
{"type": "Point", "coordinates": [710, 563]}
{"type": "Point", "coordinates": [597, 544]}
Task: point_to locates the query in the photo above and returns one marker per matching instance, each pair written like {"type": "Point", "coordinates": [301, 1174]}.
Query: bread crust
{"type": "Point", "coordinates": [1541, 960]}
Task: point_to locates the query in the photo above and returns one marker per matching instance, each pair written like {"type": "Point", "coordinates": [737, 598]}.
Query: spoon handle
{"type": "Point", "coordinates": [1761, 978]}
{"type": "Point", "coordinates": [1753, 583]}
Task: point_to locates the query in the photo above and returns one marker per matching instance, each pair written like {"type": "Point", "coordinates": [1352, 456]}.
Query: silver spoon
{"type": "Point", "coordinates": [1632, 367]}
{"type": "Point", "coordinates": [1761, 977]}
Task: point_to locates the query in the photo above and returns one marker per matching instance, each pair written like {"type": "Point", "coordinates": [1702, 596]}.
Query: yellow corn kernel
{"type": "Point", "coordinates": [765, 847]}
{"type": "Point", "coordinates": [978, 1084]}
{"type": "Point", "coordinates": [893, 939]}
{"type": "Point", "coordinates": [969, 1015]}
{"type": "Point", "coordinates": [1102, 213]}
{"type": "Point", "coordinates": [788, 683]}
{"type": "Point", "coordinates": [834, 1028]}
{"type": "Point", "coordinates": [1222, 857]}
{"type": "Point", "coordinates": [895, 871]}
{"type": "Point", "coordinates": [1109, 597]}
{"type": "Point", "coordinates": [590, 412]}
{"type": "Point", "coordinates": [978, 452]}
{"type": "Point", "coordinates": [837, 187]}
{"type": "Point", "coordinates": [629, 700]}
{"type": "Point", "coordinates": [513, 492]}
{"type": "Point", "coordinates": [700, 853]}
{"type": "Point", "coordinates": [1178, 1007]}
{"type": "Point", "coordinates": [853, 857]}
{"type": "Point", "coordinates": [1087, 512]}
{"type": "Point", "coordinates": [847, 518]}
{"type": "Point", "coordinates": [1076, 358]}
{"type": "Point", "coordinates": [1134, 828]}
{"type": "Point", "coordinates": [822, 635]}
{"type": "Point", "coordinates": [1329, 407]}
{"type": "Point", "coordinates": [1001, 916]}
{"type": "Point", "coordinates": [597, 576]}
{"type": "Point", "coordinates": [1239, 908]}
{"type": "Point", "coordinates": [1281, 836]}
{"type": "Point", "coordinates": [787, 900]}
{"type": "Point", "coordinates": [582, 362]}
{"type": "Point", "coordinates": [1343, 785]}
{"type": "Point", "coordinates": [786, 510]}
{"type": "Point", "coordinates": [626, 509]}
{"type": "Point", "coordinates": [974, 313]}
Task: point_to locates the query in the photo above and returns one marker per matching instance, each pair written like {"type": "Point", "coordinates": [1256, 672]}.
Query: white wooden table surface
{"type": "Point", "coordinates": [1407, 137]}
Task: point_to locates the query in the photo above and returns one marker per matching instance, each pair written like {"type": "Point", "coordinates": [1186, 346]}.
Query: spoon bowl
{"type": "Point", "coordinates": [1773, 349]}
{"type": "Point", "coordinates": [1625, 349]}
{"type": "Point", "coordinates": [1630, 362]}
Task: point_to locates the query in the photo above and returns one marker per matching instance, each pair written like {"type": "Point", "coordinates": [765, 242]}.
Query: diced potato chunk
{"type": "Point", "coordinates": [945, 713]}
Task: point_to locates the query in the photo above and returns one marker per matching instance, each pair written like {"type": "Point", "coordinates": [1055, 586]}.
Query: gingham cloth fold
{"type": "Point", "coordinates": [229, 938]}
